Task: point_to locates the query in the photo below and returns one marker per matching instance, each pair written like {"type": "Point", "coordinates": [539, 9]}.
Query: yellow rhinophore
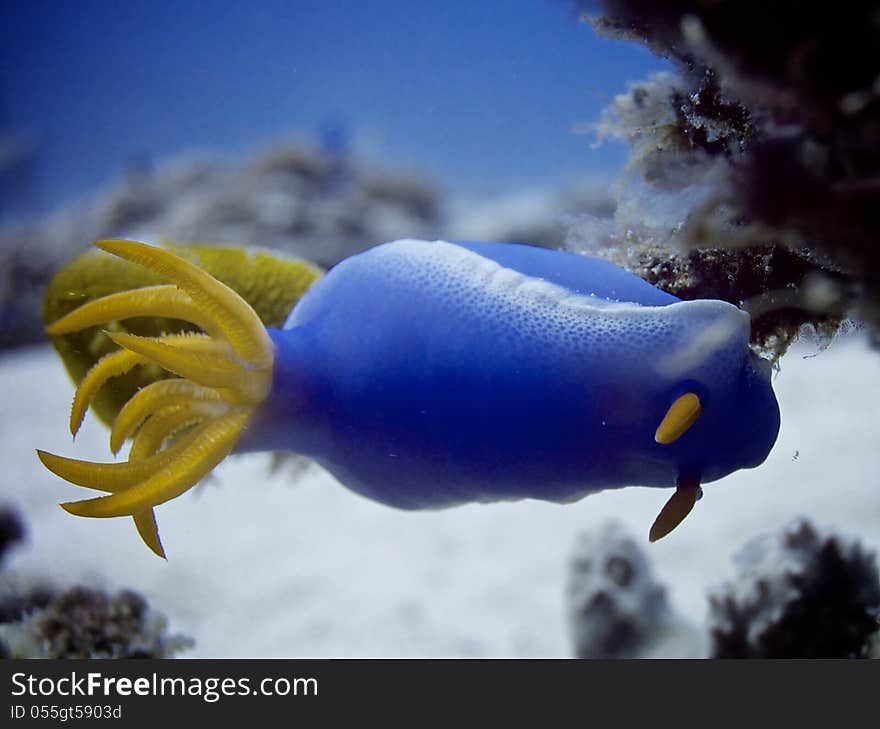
{"type": "Point", "coordinates": [183, 426]}
{"type": "Point", "coordinates": [681, 415]}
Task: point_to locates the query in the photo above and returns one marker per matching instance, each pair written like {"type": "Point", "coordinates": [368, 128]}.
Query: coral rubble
{"type": "Point", "coordinates": [308, 202]}
{"type": "Point", "coordinates": [616, 608]}
{"type": "Point", "coordinates": [39, 621]}
{"type": "Point", "coordinates": [800, 593]}
{"type": "Point", "coordinates": [86, 623]}
{"type": "Point", "coordinates": [11, 530]}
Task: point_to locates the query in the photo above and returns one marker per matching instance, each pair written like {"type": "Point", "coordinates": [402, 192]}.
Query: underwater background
{"type": "Point", "coordinates": [480, 97]}
{"type": "Point", "coordinates": [322, 128]}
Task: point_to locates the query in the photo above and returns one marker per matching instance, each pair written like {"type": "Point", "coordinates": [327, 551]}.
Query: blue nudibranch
{"type": "Point", "coordinates": [427, 374]}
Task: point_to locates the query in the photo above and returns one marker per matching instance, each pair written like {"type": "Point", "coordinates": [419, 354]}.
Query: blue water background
{"type": "Point", "coordinates": [483, 96]}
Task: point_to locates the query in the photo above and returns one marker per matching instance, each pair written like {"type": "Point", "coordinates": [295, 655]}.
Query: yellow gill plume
{"type": "Point", "coordinates": [183, 426]}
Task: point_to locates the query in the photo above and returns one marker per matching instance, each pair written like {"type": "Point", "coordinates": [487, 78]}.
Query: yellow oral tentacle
{"type": "Point", "coordinates": [213, 442]}
{"type": "Point", "coordinates": [150, 399]}
{"type": "Point", "coordinates": [233, 316]}
{"type": "Point", "coordinates": [675, 510]}
{"type": "Point", "coordinates": [680, 416]}
{"type": "Point", "coordinates": [166, 301]}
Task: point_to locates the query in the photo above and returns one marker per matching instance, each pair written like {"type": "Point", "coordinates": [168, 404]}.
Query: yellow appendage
{"type": "Point", "coordinates": [183, 426]}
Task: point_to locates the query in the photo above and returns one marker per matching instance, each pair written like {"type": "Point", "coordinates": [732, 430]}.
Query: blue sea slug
{"type": "Point", "coordinates": [428, 374]}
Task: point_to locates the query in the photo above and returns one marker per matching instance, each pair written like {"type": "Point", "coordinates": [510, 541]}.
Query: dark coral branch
{"type": "Point", "coordinates": [778, 103]}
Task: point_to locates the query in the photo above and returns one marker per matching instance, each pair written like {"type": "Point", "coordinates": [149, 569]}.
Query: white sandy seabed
{"type": "Point", "coordinates": [285, 565]}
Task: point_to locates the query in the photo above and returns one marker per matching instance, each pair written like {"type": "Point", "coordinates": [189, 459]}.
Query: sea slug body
{"type": "Point", "coordinates": [428, 374]}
